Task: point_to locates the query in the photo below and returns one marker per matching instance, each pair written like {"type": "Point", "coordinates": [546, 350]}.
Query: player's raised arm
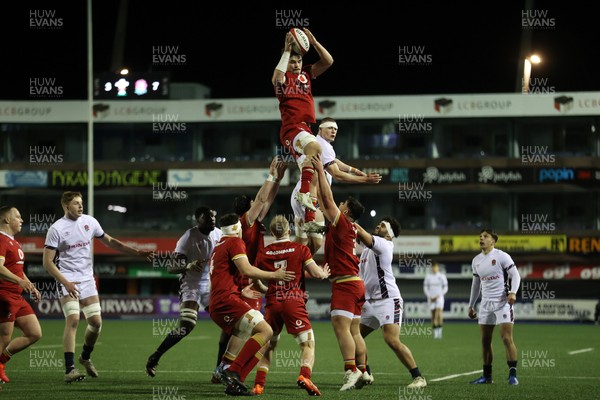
{"type": "Point", "coordinates": [349, 175]}
{"type": "Point", "coordinates": [328, 206]}
{"type": "Point", "coordinates": [251, 271]}
{"type": "Point", "coordinates": [116, 244]}
{"type": "Point", "coordinates": [281, 68]}
{"type": "Point", "coordinates": [325, 58]}
{"type": "Point", "coordinates": [363, 236]}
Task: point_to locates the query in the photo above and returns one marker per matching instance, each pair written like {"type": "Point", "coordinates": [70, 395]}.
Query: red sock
{"type": "Point", "coordinates": [361, 367]}
{"type": "Point", "coordinates": [251, 347]}
{"type": "Point", "coordinates": [305, 372]}
{"type": "Point", "coordinates": [249, 366]}
{"type": "Point", "coordinates": [350, 364]}
{"type": "Point", "coordinates": [309, 215]}
{"type": "Point", "coordinates": [306, 179]}
{"type": "Point", "coordinates": [5, 356]}
{"type": "Point", "coordinates": [261, 376]}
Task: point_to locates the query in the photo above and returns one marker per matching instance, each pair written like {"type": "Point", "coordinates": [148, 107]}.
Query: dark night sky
{"type": "Point", "coordinates": [473, 45]}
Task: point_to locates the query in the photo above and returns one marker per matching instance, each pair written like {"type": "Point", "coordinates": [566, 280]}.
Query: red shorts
{"type": "Point", "coordinates": [287, 135]}
{"type": "Point", "coordinates": [291, 313]}
{"type": "Point", "coordinates": [228, 313]}
{"type": "Point", "coordinates": [254, 303]}
{"type": "Point", "coordinates": [348, 296]}
{"type": "Point", "coordinates": [13, 306]}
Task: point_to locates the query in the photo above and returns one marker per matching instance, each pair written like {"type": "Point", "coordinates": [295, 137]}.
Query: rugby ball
{"type": "Point", "coordinates": [300, 44]}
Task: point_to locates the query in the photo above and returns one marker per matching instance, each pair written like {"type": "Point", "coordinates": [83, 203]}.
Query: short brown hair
{"type": "Point", "coordinates": [279, 226]}
{"type": "Point", "coordinates": [491, 232]}
{"type": "Point", "coordinates": [67, 197]}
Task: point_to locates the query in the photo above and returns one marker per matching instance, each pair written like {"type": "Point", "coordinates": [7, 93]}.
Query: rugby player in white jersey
{"type": "Point", "coordinates": [495, 276]}
{"type": "Point", "coordinates": [309, 232]}
{"type": "Point", "coordinates": [383, 305]}
{"type": "Point", "coordinates": [68, 258]}
{"type": "Point", "coordinates": [435, 287]}
{"type": "Point", "coordinates": [193, 251]}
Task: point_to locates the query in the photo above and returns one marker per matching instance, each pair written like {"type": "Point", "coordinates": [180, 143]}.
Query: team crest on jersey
{"type": "Point", "coordinates": [86, 227]}
{"type": "Point", "coordinates": [302, 78]}
{"type": "Point", "coordinates": [493, 262]}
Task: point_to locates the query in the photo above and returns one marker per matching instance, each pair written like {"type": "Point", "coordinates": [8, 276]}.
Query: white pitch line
{"type": "Point", "coordinates": [51, 346]}
{"type": "Point", "coordinates": [443, 378]}
{"type": "Point", "coordinates": [581, 351]}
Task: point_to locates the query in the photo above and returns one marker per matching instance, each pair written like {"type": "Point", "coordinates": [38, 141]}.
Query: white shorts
{"type": "Point", "coordinates": [191, 288]}
{"type": "Point", "coordinates": [493, 312]}
{"type": "Point", "coordinates": [86, 289]}
{"type": "Point", "coordinates": [438, 303]}
{"type": "Point", "coordinates": [376, 313]}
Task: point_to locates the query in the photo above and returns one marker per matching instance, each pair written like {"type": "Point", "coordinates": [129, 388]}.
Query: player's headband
{"type": "Point", "coordinates": [231, 229]}
{"type": "Point", "coordinates": [328, 124]}
{"type": "Point", "coordinates": [389, 229]}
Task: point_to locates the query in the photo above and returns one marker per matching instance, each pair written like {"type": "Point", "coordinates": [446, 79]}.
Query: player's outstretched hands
{"type": "Point", "coordinates": [326, 271]}
{"type": "Point", "coordinates": [512, 298]}
{"type": "Point", "coordinates": [35, 294]}
{"type": "Point", "coordinates": [310, 36]}
{"type": "Point", "coordinates": [472, 313]}
{"type": "Point", "coordinates": [250, 293]}
{"type": "Point", "coordinates": [373, 178]}
{"type": "Point", "coordinates": [30, 288]}
{"type": "Point", "coordinates": [277, 168]}
{"type": "Point", "coordinates": [282, 274]}
{"type": "Point", "coordinates": [316, 162]}
{"type": "Point", "coordinates": [148, 255]}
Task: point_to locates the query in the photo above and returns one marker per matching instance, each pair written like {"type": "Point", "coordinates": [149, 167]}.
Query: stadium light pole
{"type": "Point", "coordinates": [90, 124]}
{"type": "Point", "coordinates": [533, 59]}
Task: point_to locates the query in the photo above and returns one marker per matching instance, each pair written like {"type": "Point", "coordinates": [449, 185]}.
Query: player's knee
{"type": "Point", "coordinates": [264, 329]}
{"type": "Point", "coordinates": [71, 311]}
{"type": "Point", "coordinates": [251, 323]}
{"type": "Point", "coordinates": [92, 312]}
{"type": "Point", "coordinates": [187, 320]}
{"type": "Point", "coordinates": [34, 336]}
{"type": "Point", "coordinates": [306, 339]}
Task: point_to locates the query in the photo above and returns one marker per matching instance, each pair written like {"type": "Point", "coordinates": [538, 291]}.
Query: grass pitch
{"type": "Point", "coordinates": [547, 367]}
